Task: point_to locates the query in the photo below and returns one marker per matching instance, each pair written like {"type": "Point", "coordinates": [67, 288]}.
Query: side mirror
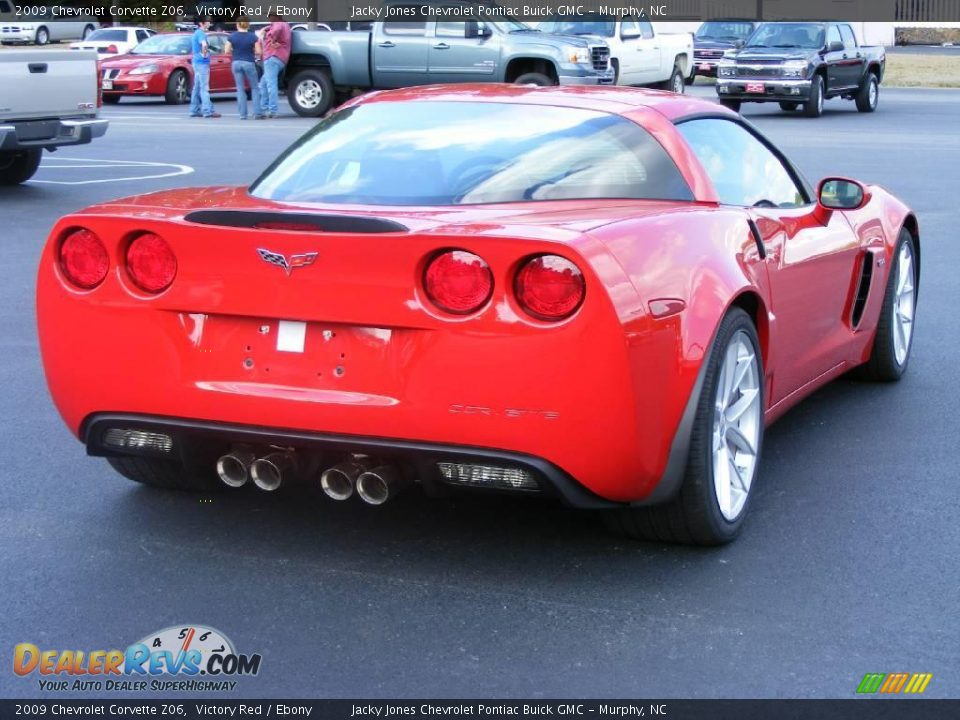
{"type": "Point", "coordinates": [835, 46]}
{"type": "Point", "coordinates": [476, 29]}
{"type": "Point", "coordinates": [839, 194]}
{"type": "Point", "coordinates": [739, 43]}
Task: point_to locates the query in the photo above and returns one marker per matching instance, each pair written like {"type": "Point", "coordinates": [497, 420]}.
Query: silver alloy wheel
{"type": "Point", "coordinates": [309, 94]}
{"type": "Point", "coordinates": [820, 99]}
{"type": "Point", "coordinates": [180, 90]}
{"type": "Point", "coordinates": [736, 426]}
{"type": "Point", "coordinates": [678, 85]}
{"type": "Point", "coordinates": [903, 304]}
{"type": "Point", "coordinates": [43, 37]}
{"type": "Point", "coordinates": [874, 92]}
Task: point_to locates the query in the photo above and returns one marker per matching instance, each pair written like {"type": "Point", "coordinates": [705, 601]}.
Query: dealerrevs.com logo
{"type": "Point", "coordinates": [179, 658]}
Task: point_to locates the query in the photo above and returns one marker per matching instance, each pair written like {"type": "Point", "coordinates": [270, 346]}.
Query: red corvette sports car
{"type": "Point", "coordinates": [600, 295]}
{"type": "Point", "coordinates": [161, 66]}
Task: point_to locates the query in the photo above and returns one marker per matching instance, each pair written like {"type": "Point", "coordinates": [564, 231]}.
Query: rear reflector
{"type": "Point", "coordinates": [127, 439]}
{"type": "Point", "coordinates": [550, 287]}
{"type": "Point", "coordinates": [490, 476]}
{"type": "Point", "coordinates": [151, 263]}
{"type": "Point", "coordinates": [458, 282]}
{"type": "Point", "coordinates": [83, 259]}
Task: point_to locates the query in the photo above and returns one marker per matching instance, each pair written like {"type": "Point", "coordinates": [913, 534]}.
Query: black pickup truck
{"type": "Point", "coordinates": [802, 63]}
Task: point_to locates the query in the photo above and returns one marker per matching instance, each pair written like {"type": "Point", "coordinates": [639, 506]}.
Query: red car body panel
{"type": "Point", "coordinates": [601, 395]}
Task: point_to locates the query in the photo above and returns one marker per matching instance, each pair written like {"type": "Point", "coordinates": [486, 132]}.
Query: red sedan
{"type": "Point", "coordinates": [161, 66]}
{"type": "Point", "coordinates": [601, 295]}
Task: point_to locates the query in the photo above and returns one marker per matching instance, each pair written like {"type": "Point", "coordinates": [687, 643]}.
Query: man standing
{"type": "Point", "coordinates": [277, 40]}
{"type": "Point", "coordinates": [200, 103]}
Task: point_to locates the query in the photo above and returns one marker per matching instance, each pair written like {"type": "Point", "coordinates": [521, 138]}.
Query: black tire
{"type": "Point", "coordinates": [86, 32]}
{"type": "Point", "coordinates": [111, 99]}
{"type": "Point", "coordinates": [165, 474]}
{"type": "Point", "coordinates": [178, 88]}
{"type": "Point", "coordinates": [694, 516]}
{"type": "Point", "coordinates": [311, 92]}
{"type": "Point", "coordinates": [813, 108]}
{"type": "Point", "coordinates": [615, 64]}
{"type": "Point", "coordinates": [789, 106]}
{"type": "Point", "coordinates": [883, 365]}
{"type": "Point", "coordinates": [868, 96]}
{"type": "Point", "coordinates": [535, 79]}
{"type": "Point", "coordinates": [674, 83]}
{"type": "Point", "coordinates": [732, 105]}
{"type": "Point", "coordinates": [18, 166]}
{"type": "Point", "coordinates": [43, 36]}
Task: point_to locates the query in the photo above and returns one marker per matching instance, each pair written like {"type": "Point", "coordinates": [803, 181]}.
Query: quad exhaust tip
{"type": "Point", "coordinates": [234, 467]}
{"type": "Point", "coordinates": [377, 486]}
{"type": "Point", "coordinates": [338, 482]}
{"type": "Point", "coordinates": [269, 471]}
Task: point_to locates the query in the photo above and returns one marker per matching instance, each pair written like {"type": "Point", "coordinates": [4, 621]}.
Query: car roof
{"type": "Point", "coordinates": [612, 99]}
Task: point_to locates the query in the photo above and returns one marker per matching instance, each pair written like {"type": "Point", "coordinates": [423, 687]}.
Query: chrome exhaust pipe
{"type": "Point", "coordinates": [234, 467]}
{"type": "Point", "coordinates": [338, 482]}
{"type": "Point", "coordinates": [268, 472]}
{"type": "Point", "coordinates": [377, 486]}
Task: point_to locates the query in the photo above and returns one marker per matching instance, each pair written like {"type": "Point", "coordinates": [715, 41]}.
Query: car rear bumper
{"type": "Point", "coordinates": [773, 90]}
{"type": "Point", "coordinates": [50, 133]}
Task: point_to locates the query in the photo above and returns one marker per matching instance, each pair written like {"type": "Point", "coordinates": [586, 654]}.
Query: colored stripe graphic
{"type": "Point", "coordinates": [871, 682]}
{"type": "Point", "coordinates": [918, 683]}
{"type": "Point", "coordinates": [893, 683]}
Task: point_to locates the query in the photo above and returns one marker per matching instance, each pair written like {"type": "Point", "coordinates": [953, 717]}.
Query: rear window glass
{"type": "Point", "coordinates": [460, 153]}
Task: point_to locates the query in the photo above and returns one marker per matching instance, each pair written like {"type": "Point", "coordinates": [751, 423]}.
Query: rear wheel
{"type": "Point", "coordinates": [675, 83]}
{"type": "Point", "coordinates": [813, 108]}
{"type": "Point", "coordinates": [894, 338]}
{"type": "Point", "coordinates": [178, 88]}
{"type": "Point", "coordinates": [42, 37]}
{"type": "Point", "coordinates": [869, 94]}
{"type": "Point", "coordinates": [535, 79]}
{"type": "Point", "coordinates": [725, 446]}
{"type": "Point", "coordinates": [731, 104]}
{"type": "Point", "coordinates": [87, 31]}
{"type": "Point", "coordinates": [166, 474]}
{"type": "Point", "coordinates": [789, 106]}
{"type": "Point", "coordinates": [311, 92]}
{"type": "Point", "coordinates": [19, 166]}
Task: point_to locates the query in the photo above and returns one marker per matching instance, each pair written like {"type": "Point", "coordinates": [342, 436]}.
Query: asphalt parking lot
{"type": "Point", "coordinates": [847, 563]}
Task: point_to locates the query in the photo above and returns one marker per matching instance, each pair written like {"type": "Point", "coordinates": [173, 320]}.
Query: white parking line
{"type": "Point", "coordinates": [175, 170]}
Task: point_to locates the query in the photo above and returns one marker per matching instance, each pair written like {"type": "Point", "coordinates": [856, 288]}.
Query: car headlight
{"type": "Point", "coordinates": [581, 57]}
{"type": "Point", "coordinates": [149, 69]}
{"type": "Point", "coordinates": [794, 68]}
{"type": "Point", "coordinates": [725, 68]}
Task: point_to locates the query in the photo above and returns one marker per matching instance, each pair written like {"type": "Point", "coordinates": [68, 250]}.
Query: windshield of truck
{"type": "Point", "coordinates": [788, 35]}
{"type": "Point", "coordinates": [509, 26]}
{"type": "Point", "coordinates": [463, 153]}
{"type": "Point", "coordinates": [592, 27]}
{"type": "Point", "coordinates": [164, 45]}
{"type": "Point", "coordinates": [725, 31]}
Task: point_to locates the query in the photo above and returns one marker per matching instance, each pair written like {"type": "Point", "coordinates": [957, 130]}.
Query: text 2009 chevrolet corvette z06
{"type": "Point", "coordinates": [596, 294]}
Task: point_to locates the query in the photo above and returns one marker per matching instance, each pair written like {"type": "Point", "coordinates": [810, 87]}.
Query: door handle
{"type": "Point", "coordinates": [441, 46]}
{"type": "Point", "coordinates": [386, 44]}
{"type": "Point", "coordinates": [37, 68]}
{"type": "Point", "coordinates": [844, 56]}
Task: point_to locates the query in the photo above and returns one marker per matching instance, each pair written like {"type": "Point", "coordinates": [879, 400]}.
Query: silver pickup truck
{"type": "Point", "coordinates": [403, 53]}
{"type": "Point", "coordinates": [48, 98]}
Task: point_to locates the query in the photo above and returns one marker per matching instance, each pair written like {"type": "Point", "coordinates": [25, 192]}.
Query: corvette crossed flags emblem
{"type": "Point", "coordinates": [288, 264]}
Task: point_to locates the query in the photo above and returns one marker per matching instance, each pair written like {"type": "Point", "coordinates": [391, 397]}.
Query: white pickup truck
{"type": "Point", "coordinates": [639, 54]}
{"type": "Point", "coordinates": [48, 98]}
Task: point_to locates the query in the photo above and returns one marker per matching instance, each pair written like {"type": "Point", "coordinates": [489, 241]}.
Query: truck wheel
{"type": "Point", "coordinates": [178, 88]}
{"type": "Point", "coordinates": [675, 84]}
{"type": "Point", "coordinates": [311, 92]}
{"type": "Point", "coordinates": [19, 166]}
{"type": "Point", "coordinates": [535, 79]}
{"type": "Point", "coordinates": [813, 108]}
{"type": "Point", "coordinates": [789, 106]}
{"type": "Point", "coordinates": [869, 94]}
{"type": "Point", "coordinates": [166, 474]}
{"type": "Point", "coordinates": [43, 36]}
{"type": "Point", "coordinates": [731, 104]}
{"type": "Point", "coordinates": [86, 31]}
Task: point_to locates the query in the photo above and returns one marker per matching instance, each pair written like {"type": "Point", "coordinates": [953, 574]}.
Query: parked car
{"type": "Point", "coordinates": [638, 54]}
{"type": "Point", "coordinates": [717, 37]}
{"type": "Point", "coordinates": [41, 24]}
{"type": "Point", "coordinates": [48, 98]}
{"type": "Point", "coordinates": [113, 41]}
{"type": "Point", "coordinates": [542, 291]}
{"type": "Point", "coordinates": [161, 66]}
{"type": "Point", "coordinates": [404, 53]}
{"type": "Point", "coordinates": [802, 63]}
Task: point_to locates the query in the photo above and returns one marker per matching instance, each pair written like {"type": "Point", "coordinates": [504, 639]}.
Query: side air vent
{"type": "Point", "coordinates": [295, 222]}
{"type": "Point", "coordinates": [863, 289]}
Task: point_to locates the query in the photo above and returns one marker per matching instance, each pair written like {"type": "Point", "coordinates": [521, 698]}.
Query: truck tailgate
{"type": "Point", "coordinates": [47, 83]}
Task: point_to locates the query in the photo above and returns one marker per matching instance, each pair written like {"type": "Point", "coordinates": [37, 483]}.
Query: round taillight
{"type": "Point", "coordinates": [83, 259]}
{"type": "Point", "coordinates": [151, 263]}
{"type": "Point", "coordinates": [550, 287]}
{"type": "Point", "coordinates": [458, 282]}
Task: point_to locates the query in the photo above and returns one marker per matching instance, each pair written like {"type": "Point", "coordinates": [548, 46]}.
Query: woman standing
{"type": "Point", "coordinates": [245, 48]}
